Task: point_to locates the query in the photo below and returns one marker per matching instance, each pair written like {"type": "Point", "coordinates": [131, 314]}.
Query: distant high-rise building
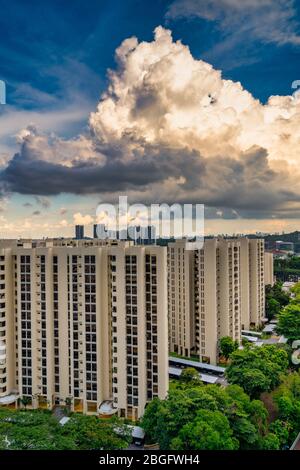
{"type": "Point", "coordinates": [142, 235]}
{"type": "Point", "coordinates": [79, 232]}
{"type": "Point", "coordinates": [148, 235]}
{"type": "Point", "coordinates": [99, 231]}
{"type": "Point", "coordinates": [95, 235]}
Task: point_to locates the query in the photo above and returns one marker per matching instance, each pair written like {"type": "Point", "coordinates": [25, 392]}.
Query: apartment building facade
{"type": "Point", "coordinates": [80, 328]}
{"type": "Point", "coordinates": [269, 269]}
{"type": "Point", "coordinates": [213, 292]}
{"type": "Point", "coordinates": [7, 352]}
{"type": "Point", "coordinates": [181, 297]}
{"type": "Point", "coordinates": [90, 321]}
{"type": "Point", "coordinates": [139, 327]}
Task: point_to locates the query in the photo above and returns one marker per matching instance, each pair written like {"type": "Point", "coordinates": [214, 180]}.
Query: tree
{"type": "Point", "coordinates": [173, 422]}
{"type": "Point", "coordinates": [281, 429]}
{"type": "Point", "coordinates": [210, 430]}
{"type": "Point", "coordinates": [228, 346]}
{"type": "Point", "coordinates": [289, 321]}
{"type": "Point", "coordinates": [270, 442]}
{"type": "Point", "coordinates": [296, 290]}
{"type": "Point", "coordinates": [284, 268]}
{"type": "Point", "coordinates": [25, 401]}
{"type": "Point", "coordinates": [32, 430]}
{"type": "Point", "coordinates": [287, 399]}
{"type": "Point", "coordinates": [254, 382]}
{"type": "Point", "coordinates": [272, 308]}
{"type": "Point", "coordinates": [256, 369]}
{"type": "Point", "coordinates": [39, 430]}
{"type": "Point", "coordinates": [191, 376]}
{"type": "Point", "coordinates": [90, 432]}
{"type": "Point", "coordinates": [276, 298]}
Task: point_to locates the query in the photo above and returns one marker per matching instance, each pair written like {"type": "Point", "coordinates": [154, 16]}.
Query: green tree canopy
{"type": "Point", "coordinates": [257, 369]}
{"type": "Point", "coordinates": [287, 399]}
{"type": "Point", "coordinates": [39, 430]}
{"type": "Point", "coordinates": [276, 299]}
{"type": "Point", "coordinates": [289, 321]}
{"type": "Point", "coordinates": [270, 442]}
{"type": "Point", "coordinates": [191, 376]}
{"type": "Point", "coordinates": [228, 346]}
{"type": "Point", "coordinates": [210, 430]}
{"type": "Point", "coordinates": [195, 411]}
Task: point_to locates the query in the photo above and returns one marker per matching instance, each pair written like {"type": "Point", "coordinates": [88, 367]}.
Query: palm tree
{"type": "Point", "coordinates": [68, 403]}
{"type": "Point", "coordinates": [25, 401]}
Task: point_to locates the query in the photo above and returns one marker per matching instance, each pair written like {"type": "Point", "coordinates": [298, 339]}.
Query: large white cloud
{"type": "Point", "coordinates": [161, 94]}
{"type": "Point", "coordinates": [170, 127]}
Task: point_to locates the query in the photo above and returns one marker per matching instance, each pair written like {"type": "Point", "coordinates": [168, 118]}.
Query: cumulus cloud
{"type": "Point", "coordinates": [169, 128]}
{"type": "Point", "coordinates": [80, 219]}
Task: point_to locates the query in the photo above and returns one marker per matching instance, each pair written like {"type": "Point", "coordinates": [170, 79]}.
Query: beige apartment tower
{"type": "Point", "coordinates": [139, 327]}
{"type": "Point", "coordinates": [213, 292]}
{"type": "Point", "coordinates": [86, 323]}
{"type": "Point", "coordinates": [89, 322]}
{"type": "Point", "coordinates": [269, 269]}
{"type": "Point", "coordinates": [7, 332]}
{"type": "Point", "coordinates": [181, 297]}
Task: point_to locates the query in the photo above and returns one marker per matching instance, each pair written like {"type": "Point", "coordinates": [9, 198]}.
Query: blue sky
{"type": "Point", "coordinates": [54, 58]}
{"type": "Point", "coordinates": [44, 44]}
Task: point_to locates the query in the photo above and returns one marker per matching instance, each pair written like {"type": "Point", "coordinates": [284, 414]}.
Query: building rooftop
{"type": "Point", "coordinates": [251, 332]}
{"type": "Point", "coordinates": [269, 328]}
{"type": "Point", "coordinates": [197, 365]}
{"type": "Point", "coordinates": [296, 443]}
{"type": "Point", "coordinates": [206, 378]}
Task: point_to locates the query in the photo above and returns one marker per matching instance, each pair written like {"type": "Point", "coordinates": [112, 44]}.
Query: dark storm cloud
{"type": "Point", "coordinates": [28, 175]}
{"type": "Point", "coordinates": [247, 184]}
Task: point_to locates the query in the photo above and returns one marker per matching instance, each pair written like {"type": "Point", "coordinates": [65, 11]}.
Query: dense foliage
{"type": "Point", "coordinates": [286, 268]}
{"type": "Point", "coordinates": [39, 430]}
{"type": "Point", "coordinates": [228, 346]}
{"type": "Point", "coordinates": [289, 317]}
{"type": "Point", "coordinates": [207, 417]}
{"type": "Point", "coordinates": [287, 399]}
{"type": "Point", "coordinates": [257, 369]}
{"type": "Point", "coordinates": [276, 299]}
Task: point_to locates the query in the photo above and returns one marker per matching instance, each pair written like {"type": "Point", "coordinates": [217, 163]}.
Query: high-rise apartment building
{"type": "Point", "coordinates": [85, 322]}
{"type": "Point", "coordinates": [7, 333]}
{"type": "Point", "coordinates": [138, 326]}
{"type": "Point", "coordinates": [181, 297]}
{"type": "Point", "coordinates": [213, 292]}
{"type": "Point", "coordinates": [252, 282]}
{"type": "Point", "coordinates": [100, 232]}
{"type": "Point", "coordinates": [89, 321]}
